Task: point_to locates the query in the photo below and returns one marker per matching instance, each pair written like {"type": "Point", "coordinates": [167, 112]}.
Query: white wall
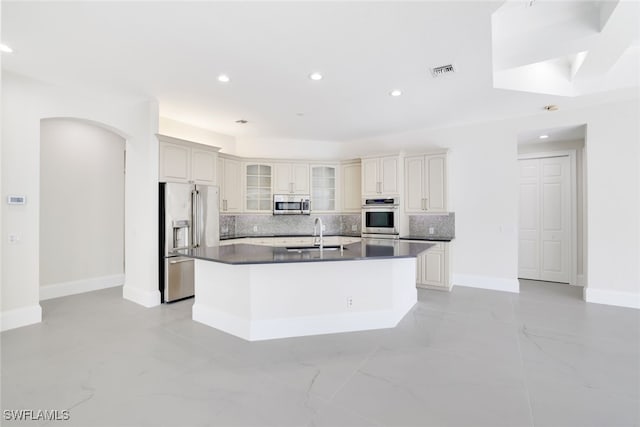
{"type": "Point", "coordinates": [24, 103]}
{"type": "Point", "coordinates": [81, 207]}
{"type": "Point", "coordinates": [290, 149]}
{"type": "Point", "coordinates": [186, 131]}
{"type": "Point", "coordinates": [613, 205]}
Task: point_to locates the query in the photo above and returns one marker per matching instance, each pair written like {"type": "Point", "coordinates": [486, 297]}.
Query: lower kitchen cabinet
{"type": "Point", "coordinates": [434, 268]}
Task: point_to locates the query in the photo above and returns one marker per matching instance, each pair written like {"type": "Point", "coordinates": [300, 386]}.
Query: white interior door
{"type": "Point", "coordinates": [529, 230]}
{"type": "Point", "coordinates": [555, 219]}
{"type": "Point", "coordinates": [545, 219]}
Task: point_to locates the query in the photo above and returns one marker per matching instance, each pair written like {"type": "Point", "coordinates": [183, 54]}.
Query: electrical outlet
{"type": "Point", "coordinates": [349, 302]}
{"type": "Point", "coordinates": [324, 227]}
{"type": "Point", "coordinates": [14, 238]}
{"type": "Point", "coordinates": [255, 228]}
{"type": "Point", "coordinates": [354, 227]}
{"type": "Point", "coordinates": [431, 230]}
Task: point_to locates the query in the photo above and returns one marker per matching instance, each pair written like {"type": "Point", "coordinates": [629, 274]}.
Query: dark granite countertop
{"type": "Point", "coordinates": [428, 238]}
{"type": "Point", "coordinates": [257, 236]}
{"type": "Point", "coordinates": [409, 237]}
{"type": "Point", "coordinates": [254, 254]}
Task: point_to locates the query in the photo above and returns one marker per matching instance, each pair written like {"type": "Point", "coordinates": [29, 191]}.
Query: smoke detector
{"type": "Point", "coordinates": [442, 70]}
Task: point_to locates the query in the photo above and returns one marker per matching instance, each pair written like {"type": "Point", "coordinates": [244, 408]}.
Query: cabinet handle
{"type": "Point", "coordinates": [224, 205]}
{"type": "Point", "coordinates": [422, 200]}
{"type": "Point", "coordinates": [426, 204]}
{"type": "Point", "coordinates": [291, 187]}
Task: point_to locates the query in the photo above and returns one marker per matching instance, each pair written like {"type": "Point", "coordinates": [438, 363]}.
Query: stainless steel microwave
{"type": "Point", "coordinates": [291, 204]}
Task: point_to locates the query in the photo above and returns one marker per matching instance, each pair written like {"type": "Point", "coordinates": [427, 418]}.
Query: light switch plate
{"type": "Point", "coordinates": [16, 200]}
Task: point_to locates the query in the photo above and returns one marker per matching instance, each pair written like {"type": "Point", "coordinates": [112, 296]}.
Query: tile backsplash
{"type": "Point", "coordinates": [443, 225]}
{"type": "Point", "coordinates": [350, 224]}
{"type": "Point", "coordinates": [266, 225]}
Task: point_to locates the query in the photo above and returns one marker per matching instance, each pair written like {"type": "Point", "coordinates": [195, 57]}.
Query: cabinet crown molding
{"type": "Point", "coordinates": [192, 144]}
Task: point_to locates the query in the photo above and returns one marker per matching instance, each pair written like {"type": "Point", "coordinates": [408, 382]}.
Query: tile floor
{"type": "Point", "coordinates": [466, 358]}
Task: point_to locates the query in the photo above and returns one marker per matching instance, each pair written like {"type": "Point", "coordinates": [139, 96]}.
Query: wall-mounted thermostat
{"type": "Point", "coordinates": [16, 200]}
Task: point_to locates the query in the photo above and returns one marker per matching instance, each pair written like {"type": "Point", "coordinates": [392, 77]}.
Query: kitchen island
{"type": "Point", "coordinates": [263, 292]}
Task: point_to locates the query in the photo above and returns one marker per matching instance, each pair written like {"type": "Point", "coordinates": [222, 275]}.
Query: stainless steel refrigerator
{"type": "Point", "coordinates": [189, 218]}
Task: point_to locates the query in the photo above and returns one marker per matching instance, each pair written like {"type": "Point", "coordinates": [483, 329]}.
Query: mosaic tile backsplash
{"type": "Point", "coordinates": [443, 225]}
{"type": "Point", "coordinates": [349, 224]}
{"type": "Point", "coordinates": [269, 225]}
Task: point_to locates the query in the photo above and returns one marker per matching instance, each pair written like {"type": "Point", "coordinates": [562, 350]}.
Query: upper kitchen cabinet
{"type": "Point", "coordinates": [426, 183]}
{"type": "Point", "coordinates": [258, 194]}
{"type": "Point", "coordinates": [186, 161]}
{"type": "Point", "coordinates": [351, 187]}
{"type": "Point", "coordinates": [291, 178]}
{"type": "Point", "coordinates": [323, 188]}
{"type": "Point", "coordinates": [381, 176]}
{"type": "Point", "coordinates": [230, 181]}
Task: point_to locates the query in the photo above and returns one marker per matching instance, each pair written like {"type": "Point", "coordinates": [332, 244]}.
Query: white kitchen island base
{"type": "Point", "coordinates": [266, 301]}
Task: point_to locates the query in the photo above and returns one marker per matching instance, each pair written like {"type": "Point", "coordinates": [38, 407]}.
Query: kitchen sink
{"type": "Point", "coordinates": [300, 249]}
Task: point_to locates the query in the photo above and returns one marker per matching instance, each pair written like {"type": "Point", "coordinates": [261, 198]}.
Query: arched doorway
{"type": "Point", "coordinates": [82, 177]}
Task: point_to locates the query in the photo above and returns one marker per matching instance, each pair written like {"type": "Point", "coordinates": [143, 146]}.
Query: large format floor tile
{"type": "Point", "coordinates": [466, 358]}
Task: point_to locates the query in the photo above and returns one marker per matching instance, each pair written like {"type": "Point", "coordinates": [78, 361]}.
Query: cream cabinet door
{"type": "Point", "coordinates": [370, 182]}
{"type": "Point", "coordinates": [425, 184]}
{"type": "Point", "coordinates": [290, 178]}
{"type": "Point", "coordinates": [351, 188]}
{"type": "Point", "coordinates": [203, 166]}
{"type": "Point", "coordinates": [323, 188]}
{"type": "Point", "coordinates": [414, 184]}
{"type": "Point", "coordinates": [175, 163]}
{"type": "Point", "coordinates": [388, 175]}
{"type": "Point", "coordinates": [435, 188]}
{"type": "Point", "coordinates": [282, 178]}
{"type": "Point", "coordinates": [258, 187]}
{"type": "Point", "coordinates": [300, 177]}
{"type": "Point", "coordinates": [433, 268]}
{"type": "Point", "coordinates": [230, 178]}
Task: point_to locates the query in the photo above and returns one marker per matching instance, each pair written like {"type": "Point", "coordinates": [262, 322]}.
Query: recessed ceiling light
{"type": "Point", "coordinates": [223, 78]}
{"type": "Point", "coordinates": [315, 76]}
{"type": "Point", "coordinates": [551, 107]}
{"type": "Point", "coordinates": [543, 136]}
{"type": "Point", "coordinates": [395, 92]}
{"type": "Point", "coordinates": [299, 114]}
{"type": "Point", "coordinates": [6, 49]}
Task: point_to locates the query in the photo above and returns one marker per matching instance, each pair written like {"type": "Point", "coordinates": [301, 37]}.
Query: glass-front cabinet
{"type": "Point", "coordinates": [323, 188]}
{"type": "Point", "coordinates": [259, 197]}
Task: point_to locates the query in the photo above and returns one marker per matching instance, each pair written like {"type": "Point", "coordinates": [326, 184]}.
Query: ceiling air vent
{"type": "Point", "coordinates": [442, 70]}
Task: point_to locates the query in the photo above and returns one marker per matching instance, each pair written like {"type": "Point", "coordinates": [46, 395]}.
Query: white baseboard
{"type": "Point", "coordinates": [580, 280]}
{"type": "Point", "coordinates": [142, 297]}
{"type": "Point", "coordinates": [266, 329]}
{"type": "Point", "coordinates": [487, 282]}
{"type": "Point", "coordinates": [617, 298]}
{"type": "Point", "coordinates": [57, 290]}
{"type": "Point", "coordinates": [19, 317]}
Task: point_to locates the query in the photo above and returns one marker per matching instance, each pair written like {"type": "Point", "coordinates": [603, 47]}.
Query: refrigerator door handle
{"type": "Point", "coordinates": [200, 215]}
{"type": "Point", "coordinates": [193, 219]}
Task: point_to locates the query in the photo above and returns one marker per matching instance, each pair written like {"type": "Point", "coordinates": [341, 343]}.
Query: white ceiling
{"type": "Point", "coordinates": [174, 51]}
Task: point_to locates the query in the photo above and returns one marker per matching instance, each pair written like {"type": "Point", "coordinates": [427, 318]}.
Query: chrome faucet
{"type": "Point", "coordinates": [315, 241]}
